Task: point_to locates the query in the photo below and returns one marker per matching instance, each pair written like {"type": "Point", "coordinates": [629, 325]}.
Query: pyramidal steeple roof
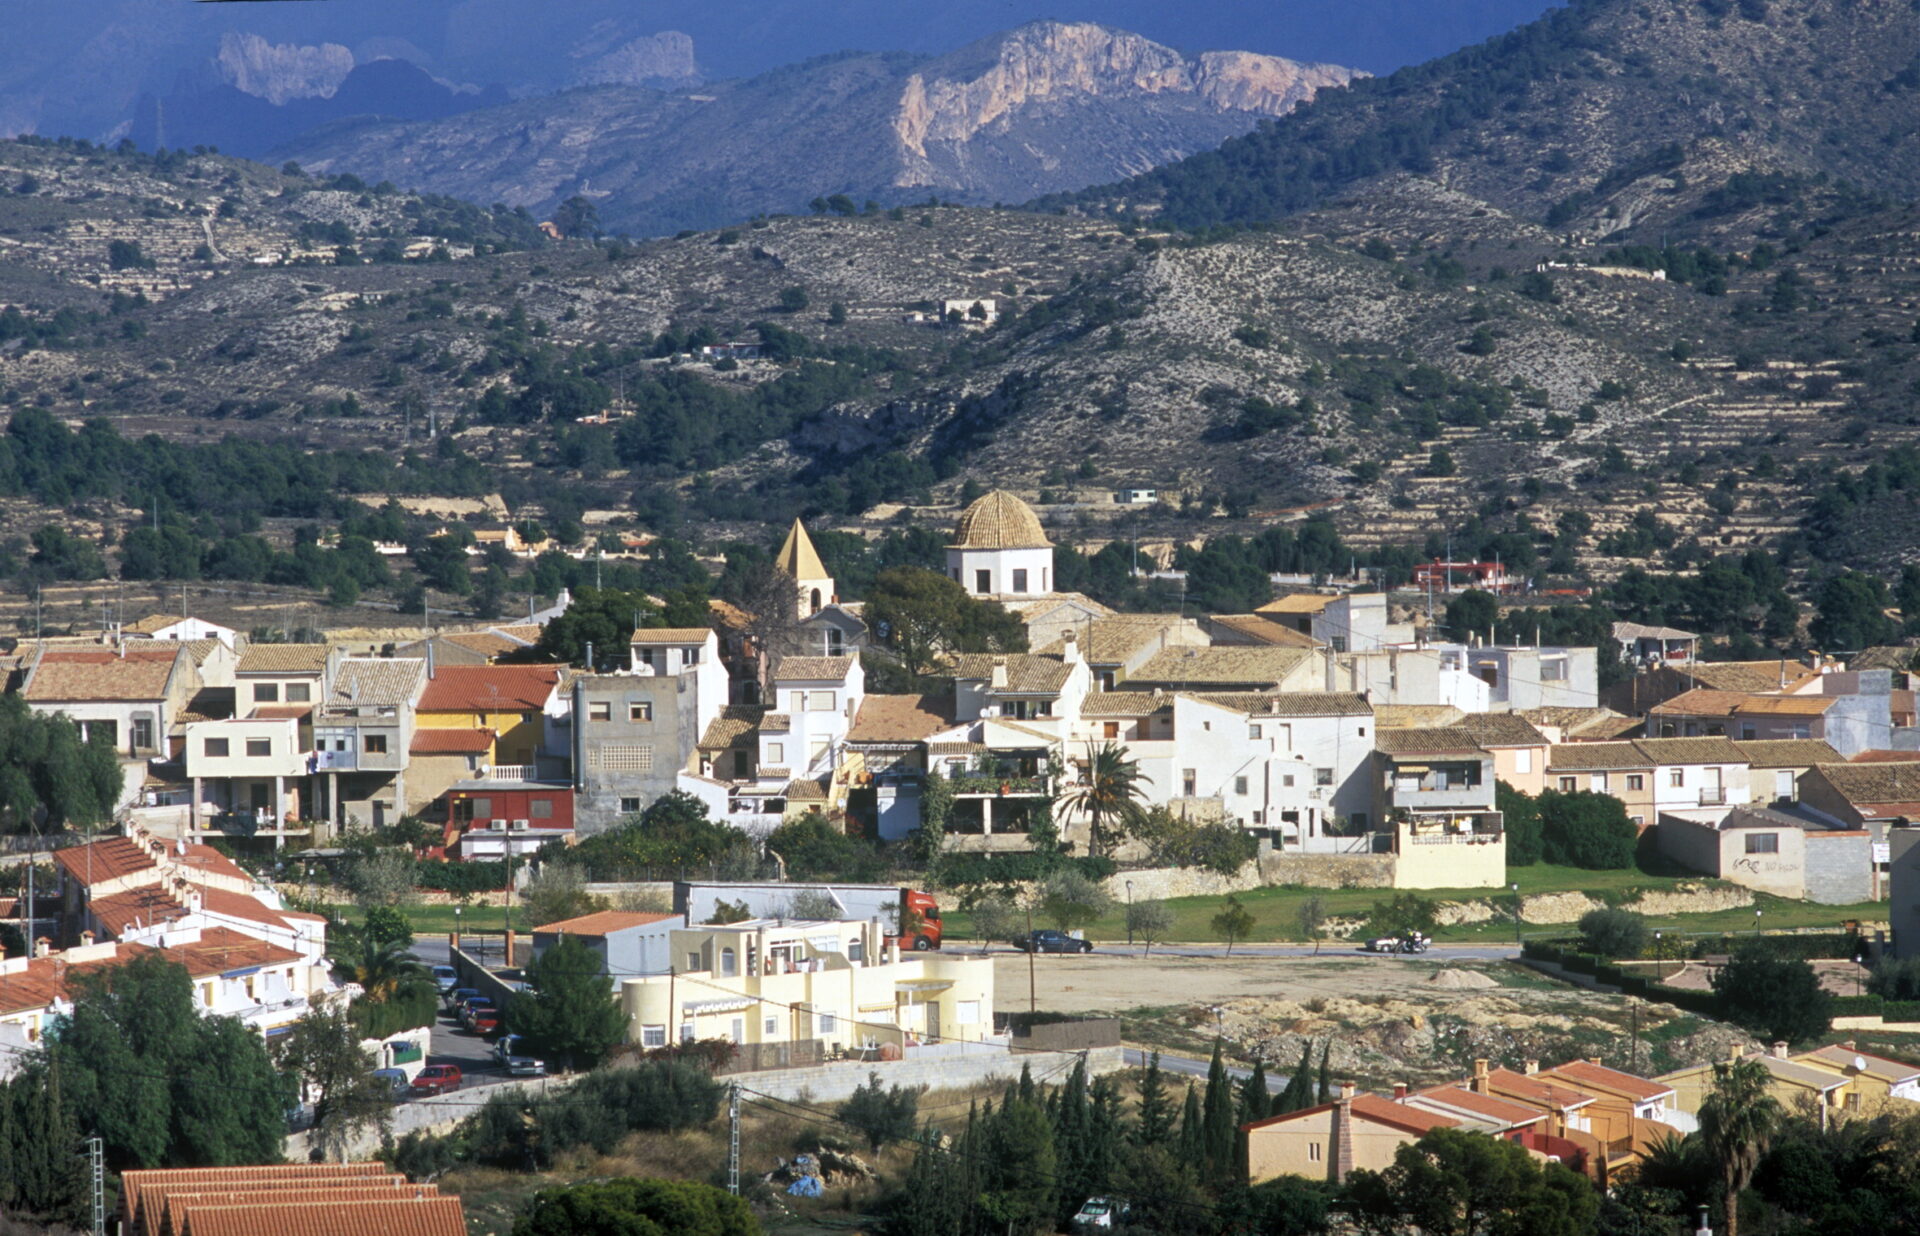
{"type": "Point", "coordinates": [797, 556]}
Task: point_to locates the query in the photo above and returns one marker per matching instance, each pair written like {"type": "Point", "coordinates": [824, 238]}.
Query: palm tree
{"type": "Point", "coordinates": [1737, 1123]}
{"type": "Point", "coordinates": [382, 968]}
{"type": "Point", "coordinates": [1111, 795]}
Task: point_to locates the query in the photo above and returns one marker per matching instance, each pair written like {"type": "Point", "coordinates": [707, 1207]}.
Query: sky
{"type": "Point", "coordinates": [72, 67]}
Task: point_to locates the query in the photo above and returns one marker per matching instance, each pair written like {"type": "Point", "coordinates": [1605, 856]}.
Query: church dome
{"type": "Point", "coordinates": [1000, 521]}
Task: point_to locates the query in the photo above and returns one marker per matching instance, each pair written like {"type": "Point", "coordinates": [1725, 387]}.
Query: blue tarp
{"type": "Point", "coordinates": [806, 1186]}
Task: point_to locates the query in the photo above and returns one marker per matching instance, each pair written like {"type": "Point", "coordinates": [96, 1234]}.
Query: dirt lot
{"type": "Point", "coordinates": [1380, 1019]}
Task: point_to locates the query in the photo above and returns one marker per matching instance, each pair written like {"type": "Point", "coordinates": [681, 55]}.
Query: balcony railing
{"type": "Point", "coordinates": [513, 772]}
{"type": "Point", "coordinates": [987, 783]}
{"type": "Point", "coordinates": [1715, 796]}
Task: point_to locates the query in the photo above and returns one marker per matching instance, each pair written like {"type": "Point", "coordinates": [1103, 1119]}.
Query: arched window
{"type": "Point", "coordinates": [815, 598]}
{"type": "Point", "coordinates": [728, 966]}
{"type": "Point", "coordinates": [856, 950]}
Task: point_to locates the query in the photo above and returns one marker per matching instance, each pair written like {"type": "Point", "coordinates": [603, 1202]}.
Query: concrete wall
{"type": "Point", "coordinates": [938, 1070]}
{"type": "Point", "coordinates": [1839, 867]}
{"type": "Point", "coordinates": [1903, 884]}
{"type": "Point", "coordinates": [1693, 845]}
{"type": "Point", "coordinates": [606, 753]}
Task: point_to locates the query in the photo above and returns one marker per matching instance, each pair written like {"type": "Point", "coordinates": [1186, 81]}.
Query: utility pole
{"type": "Point", "coordinates": [733, 1139]}
{"type": "Point", "coordinates": [97, 1181]}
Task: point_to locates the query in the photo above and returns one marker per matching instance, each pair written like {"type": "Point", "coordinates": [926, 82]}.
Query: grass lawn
{"type": "Point", "coordinates": [1276, 910]}
{"type": "Point", "coordinates": [439, 920]}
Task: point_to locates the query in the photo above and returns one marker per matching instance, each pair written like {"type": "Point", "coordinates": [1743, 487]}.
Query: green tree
{"type": "Point", "coordinates": [1472, 613]}
{"type": "Point", "coordinates": [1312, 917]}
{"type": "Point", "coordinates": [1071, 900]}
{"type": "Point", "coordinates": [921, 616]}
{"type": "Point", "coordinates": [674, 832]}
{"type": "Point", "coordinates": [383, 967]}
{"type": "Point", "coordinates": [794, 299]}
{"type": "Point", "coordinates": [1291, 1206]}
{"type": "Point", "coordinates": [1018, 1172]}
{"type": "Point", "coordinates": [882, 1114]}
{"type": "Point", "coordinates": [1190, 1144]}
{"type": "Point", "coordinates": [636, 1207]}
{"type": "Point", "coordinates": [1613, 933]}
{"type": "Point", "coordinates": [1256, 1101]}
{"type": "Point", "coordinates": [1850, 613]}
{"type": "Point", "coordinates": [1738, 1120]}
{"type": "Point", "coordinates": [1233, 923]}
{"type": "Point", "coordinates": [927, 843]}
{"type": "Point", "coordinates": [1585, 829]}
{"type": "Point", "coordinates": [126, 255]}
{"type": "Point", "coordinates": [1455, 1183]}
{"type": "Point", "coordinates": [1154, 1122]}
{"type": "Point", "coordinates": [568, 1014]}
{"type": "Point", "coordinates": [1218, 1105]}
{"type": "Point", "coordinates": [323, 1051]}
{"type": "Point", "coordinates": [1110, 795]}
{"type": "Point", "coordinates": [1298, 1092]}
{"type": "Point", "coordinates": [50, 778]}
{"type": "Point", "coordinates": [1775, 997]}
{"type": "Point", "coordinates": [603, 618]}
{"type": "Point", "coordinates": [814, 848]}
{"type": "Point", "coordinates": [384, 923]}
{"type": "Point", "coordinates": [42, 1178]}
{"type": "Point", "coordinates": [577, 218]}
{"type": "Point", "coordinates": [1149, 920]}
{"type": "Point", "coordinates": [1521, 819]}
{"type": "Point", "coordinates": [557, 892]}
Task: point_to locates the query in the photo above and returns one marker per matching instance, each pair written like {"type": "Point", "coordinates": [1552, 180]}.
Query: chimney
{"type": "Point", "coordinates": [1070, 648]}
{"type": "Point", "coordinates": [1479, 1085]}
{"type": "Point", "coordinates": [430, 665]}
{"type": "Point", "coordinates": [86, 939]}
{"type": "Point", "coordinates": [1736, 1054]}
{"type": "Point", "coordinates": [1399, 1091]}
{"type": "Point", "coordinates": [998, 681]}
{"type": "Point", "coordinates": [1340, 1161]}
{"type": "Point", "coordinates": [1530, 1067]}
{"type": "Point", "coordinates": [43, 947]}
{"type": "Point", "coordinates": [1779, 1049]}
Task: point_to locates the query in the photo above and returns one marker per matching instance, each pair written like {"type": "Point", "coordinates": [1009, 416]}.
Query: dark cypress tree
{"type": "Point", "coordinates": [1218, 1106]}
{"type": "Point", "coordinates": [1255, 1102]}
{"type": "Point", "coordinates": [1025, 1093]}
{"type": "Point", "coordinates": [1156, 1109]}
{"type": "Point", "coordinates": [1106, 1133]}
{"type": "Point", "coordinates": [1326, 1079]}
{"type": "Point", "coordinates": [1072, 1116]}
{"type": "Point", "coordinates": [1192, 1145]}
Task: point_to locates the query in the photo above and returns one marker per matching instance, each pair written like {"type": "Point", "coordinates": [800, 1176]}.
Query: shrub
{"type": "Point", "coordinates": [1406, 912]}
{"type": "Point", "coordinates": [884, 1115]}
{"type": "Point", "coordinates": [1896, 978]}
{"type": "Point", "coordinates": [1613, 933]}
{"type": "Point", "coordinates": [1071, 900]}
{"type": "Point", "coordinates": [1775, 997]}
{"type": "Point", "coordinates": [813, 848]}
{"type": "Point", "coordinates": [1584, 829]}
{"type": "Point", "coordinates": [1522, 816]}
{"type": "Point", "coordinates": [461, 877]}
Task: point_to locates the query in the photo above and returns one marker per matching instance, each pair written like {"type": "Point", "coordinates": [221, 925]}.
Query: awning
{"type": "Point", "coordinates": [693, 1008]}
{"type": "Point", "coordinates": [923, 984]}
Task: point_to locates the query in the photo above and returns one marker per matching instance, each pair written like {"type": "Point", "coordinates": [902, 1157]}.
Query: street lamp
{"type": "Point", "coordinates": [1859, 964]}
{"type": "Point", "coordinates": [1129, 913]}
{"type": "Point", "coordinates": [1516, 911]}
{"type": "Point", "coordinates": [1659, 955]}
{"type": "Point", "coordinates": [1756, 921]}
{"type": "Point", "coordinates": [456, 927]}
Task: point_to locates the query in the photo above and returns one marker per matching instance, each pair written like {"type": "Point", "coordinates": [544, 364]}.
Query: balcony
{"type": "Point", "coordinates": [1713, 796]}
{"type": "Point", "coordinates": [513, 772]}
{"type": "Point", "coordinates": [333, 761]}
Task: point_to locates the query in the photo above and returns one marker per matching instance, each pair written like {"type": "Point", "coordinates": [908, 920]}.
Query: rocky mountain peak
{"type": "Point", "coordinates": [279, 72]}
{"type": "Point", "coordinates": [662, 59]}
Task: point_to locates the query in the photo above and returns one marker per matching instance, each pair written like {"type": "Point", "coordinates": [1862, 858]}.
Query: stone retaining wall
{"type": "Point", "coordinates": [1300, 870]}
{"type": "Point", "coordinates": [833, 1083]}
{"type": "Point", "coordinates": [1554, 909]}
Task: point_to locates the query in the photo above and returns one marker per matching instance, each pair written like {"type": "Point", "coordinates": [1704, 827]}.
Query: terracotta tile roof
{"type": "Point", "coordinates": [81, 675]}
{"type": "Point", "coordinates": [901, 718]}
{"type": "Point", "coordinates": [1439, 740]}
{"type": "Point", "coordinates": [377, 682]}
{"type": "Point", "coordinates": [1414, 716]}
{"type": "Point", "coordinates": [999, 520]}
{"type": "Point", "coordinates": [1584, 724]}
{"type": "Point", "coordinates": [205, 860]}
{"type": "Point", "coordinates": [1377, 1110]}
{"type": "Point", "coordinates": [1287, 703]}
{"type": "Point", "coordinates": [167, 1207]}
{"type": "Point", "coordinates": [1842, 1056]}
{"type": "Point", "coordinates": [295, 659]}
{"type": "Point", "coordinates": [1791, 752]}
{"type": "Point", "coordinates": [1690, 750]}
{"type": "Point", "coordinates": [1198, 667]}
{"type": "Point", "coordinates": [1264, 629]}
{"type": "Point", "coordinates": [1637, 630]}
{"type": "Point", "coordinates": [107, 859]}
{"type": "Point", "coordinates": [1484, 1106]}
{"type": "Point", "coordinates": [1111, 640]}
{"type": "Point", "coordinates": [1026, 672]}
{"type": "Point", "coordinates": [1298, 603]}
{"type": "Point", "coordinates": [1742, 675]}
{"type": "Point", "coordinates": [1702, 702]}
{"type": "Point", "coordinates": [738, 725]}
{"type": "Point", "coordinates": [797, 557]}
{"type": "Point", "coordinates": [810, 669]}
{"type": "Point", "coordinates": [46, 979]}
{"type": "Point", "coordinates": [136, 907]}
{"type": "Point", "coordinates": [450, 742]}
{"type": "Point", "coordinates": [151, 623]}
{"type": "Point", "coordinates": [776, 723]}
{"type": "Point", "coordinates": [671, 635]}
{"type": "Point", "coordinates": [1124, 703]}
{"type": "Point", "coordinates": [1502, 729]}
{"type": "Point", "coordinates": [221, 950]}
{"type": "Point", "coordinates": [1532, 1089]}
{"type": "Point", "coordinates": [239, 905]}
{"type": "Point", "coordinates": [806, 790]}
{"type": "Point", "coordinates": [489, 688]}
{"type": "Point", "coordinates": [1880, 757]}
{"type": "Point", "coordinates": [486, 643]}
{"type": "Point", "coordinates": [427, 1216]}
{"type": "Point", "coordinates": [136, 1184]}
{"type": "Point", "coordinates": [282, 712]}
{"type": "Point", "coordinates": [1586, 1075]}
{"type": "Point", "coordinates": [955, 748]}
{"type": "Point", "coordinates": [1578, 756]}
{"type": "Point", "coordinates": [603, 923]}
{"type": "Point", "coordinates": [1863, 785]}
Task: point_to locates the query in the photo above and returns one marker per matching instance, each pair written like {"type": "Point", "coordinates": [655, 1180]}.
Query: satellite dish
{"type": "Point", "coordinates": [1860, 1063]}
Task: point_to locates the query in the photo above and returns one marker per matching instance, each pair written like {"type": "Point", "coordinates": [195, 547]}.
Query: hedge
{"type": "Point", "coordinates": [1875, 1006]}
{"type": "Point", "coordinates": [414, 1007]}
{"type": "Point", "coordinates": [1819, 946]}
{"type": "Point", "coordinates": [965, 870]}
{"type": "Point", "coordinates": [461, 877]}
{"type": "Point", "coordinates": [1705, 1003]}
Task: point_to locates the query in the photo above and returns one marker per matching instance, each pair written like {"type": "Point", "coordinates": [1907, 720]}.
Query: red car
{"type": "Point", "coordinates": [437, 1079]}
{"type": "Point", "coordinates": [484, 1022]}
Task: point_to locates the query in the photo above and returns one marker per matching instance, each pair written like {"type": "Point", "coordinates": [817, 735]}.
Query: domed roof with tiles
{"type": "Point", "coordinates": [1000, 521]}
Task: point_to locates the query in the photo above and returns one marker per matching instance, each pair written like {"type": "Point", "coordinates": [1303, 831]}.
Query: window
{"type": "Point", "coordinates": [1106, 680]}
{"type": "Point", "coordinates": [820, 701]}
{"type": "Point", "coordinates": [1323, 776]}
{"type": "Point", "coordinates": [729, 964]}
{"type": "Point", "coordinates": [1597, 782]}
{"type": "Point", "coordinates": [1110, 729]}
{"type": "Point", "coordinates": [299, 693]}
{"type": "Point", "coordinates": [691, 656]}
{"type": "Point", "coordinates": [1747, 732]}
{"type": "Point", "coordinates": [629, 805]}
{"type": "Point", "coordinates": [693, 962]}
{"type": "Point", "coordinates": [621, 758]}
{"type": "Point", "coordinates": [1800, 729]}
{"type": "Point", "coordinates": [1783, 787]}
{"type": "Point", "coordinates": [828, 1022]}
{"type": "Point", "coordinates": [1339, 643]}
{"type": "Point", "coordinates": [1313, 1152]}
{"type": "Point", "coordinates": [1567, 785]}
{"type": "Point", "coordinates": [1286, 780]}
{"type": "Point", "coordinates": [1636, 781]}
{"type": "Point", "coordinates": [776, 753]}
{"type": "Point", "coordinates": [1553, 669]}
{"type": "Point", "coordinates": [214, 748]}
{"type": "Point", "coordinates": [1189, 782]}
{"type": "Point", "coordinates": [640, 710]}
{"type": "Point", "coordinates": [1253, 732]}
{"type": "Point", "coordinates": [967, 1012]}
{"type": "Point", "coordinates": [259, 748]}
{"type": "Point", "coordinates": [1763, 843]}
{"type": "Point", "coordinates": [1240, 786]}
{"type": "Point", "coordinates": [1523, 761]}
{"type": "Point", "coordinates": [599, 710]}
{"type": "Point", "coordinates": [143, 732]}
{"type": "Point", "coordinates": [653, 1036]}
{"type": "Point", "coordinates": [482, 808]}
{"type": "Point", "coordinates": [1019, 580]}
{"type": "Point", "coordinates": [770, 1027]}
{"type": "Point", "coordinates": [540, 808]}
{"type": "Point", "coordinates": [266, 693]}
{"type": "Point", "coordinates": [1639, 821]}
{"type": "Point", "coordinates": [983, 581]}
{"type": "Point", "coordinates": [1677, 778]}
{"type": "Point", "coordinates": [374, 744]}
{"type": "Point", "coordinates": [738, 1031]}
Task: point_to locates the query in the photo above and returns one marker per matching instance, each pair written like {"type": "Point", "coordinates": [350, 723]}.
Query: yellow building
{"type": "Point", "coordinates": [841, 983]}
{"type": "Point", "coordinates": [1877, 1080]}
{"type": "Point", "coordinates": [1804, 1088]}
{"type": "Point", "coordinates": [1329, 1141]}
{"type": "Point", "coordinates": [508, 700]}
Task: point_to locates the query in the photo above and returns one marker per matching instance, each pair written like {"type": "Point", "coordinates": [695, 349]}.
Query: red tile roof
{"type": "Point", "coordinates": [240, 905]}
{"type": "Point", "coordinates": [46, 979]}
{"type": "Point", "coordinates": [1487, 1106]}
{"type": "Point", "coordinates": [167, 1206]}
{"type": "Point", "coordinates": [602, 923]}
{"type": "Point", "coordinates": [204, 859]}
{"type": "Point", "coordinates": [141, 907]}
{"type": "Point", "coordinates": [1585, 1074]}
{"type": "Point", "coordinates": [1531, 1088]}
{"type": "Point", "coordinates": [427, 1216]}
{"type": "Point", "coordinates": [107, 859]}
{"type": "Point", "coordinates": [136, 1183]}
{"type": "Point", "coordinates": [1372, 1108]}
{"type": "Point", "coordinates": [221, 950]}
{"type": "Point", "coordinates": [451, 742]}
{"type": "Point", "coordinates": [489, 688]}
{"type": "Point", "coordinates": [74, 674]}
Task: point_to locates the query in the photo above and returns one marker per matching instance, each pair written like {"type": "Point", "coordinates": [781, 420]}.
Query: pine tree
{"type": "Point", "coordinates": [1025, 1093]}
{"type": "Point", "coordinates": [1218, 1107]}
{"type": "Point", "coordinates": [1326, 1078]}
{"type": "Point", "coordinates": [1255, 1102]}
{"type": "Point", "coordinates": [1071, 1116]}
{"type": "Point", "coordinates": [1105, 1135]}
{"type": "Point", "coordinates": [1156, 1109]}
{"type": "Point", "coordinates": [1299, 1093]}
{"type": "Point", "coordinates": [1193, 1139]}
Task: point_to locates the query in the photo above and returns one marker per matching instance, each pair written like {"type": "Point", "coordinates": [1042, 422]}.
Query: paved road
{"type": "Point", "coordinates": [1343, 952]}
{"type": "Point", "coordinates": [451, 1044]}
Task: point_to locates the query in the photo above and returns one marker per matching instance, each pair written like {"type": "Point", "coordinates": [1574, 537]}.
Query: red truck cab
{"type": "Point", "coordinates": [919, 921]}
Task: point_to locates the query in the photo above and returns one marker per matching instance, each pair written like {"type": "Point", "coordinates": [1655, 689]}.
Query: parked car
{"type": "Point", "coordinates": [1098, 1215]}
{"type": "Point", "coordinates": [446, 978]}
{"type": "Point", "coordinates": [1050, 941]}
{"type": "Point", "coordinates": [475, 1007]}
{"type": "Point", "coordinates": [456, 995]}
{"type": "Point", "coordinates": [484, 1021]}
{"type": "Point", "coordinates": [396, 1082]}
{"type": "Point", "coordinates": [437, 1079]}
{"type": "Point", "coordinates": [515, 1061]}
{"type": "Point", "coordinates": [1412, 942]}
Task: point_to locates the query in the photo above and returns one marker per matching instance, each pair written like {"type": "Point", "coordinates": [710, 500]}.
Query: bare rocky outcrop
{"type": "Point", "coordinates": [662, 59]}
{"type": "Point", "coordinates": [280, 72]}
